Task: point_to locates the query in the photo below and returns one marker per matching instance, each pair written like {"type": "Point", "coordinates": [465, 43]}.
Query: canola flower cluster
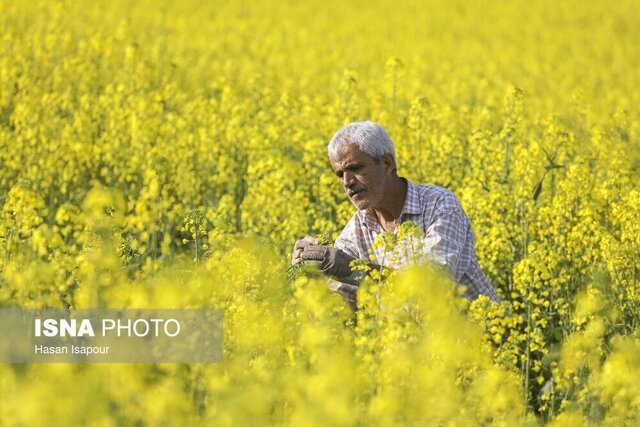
{"type": "Point", "coordinates": [168, 154]}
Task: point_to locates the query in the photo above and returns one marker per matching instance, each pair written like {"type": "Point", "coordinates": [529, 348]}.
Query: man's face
{"type": "Point", "coordinates": [362, 178]}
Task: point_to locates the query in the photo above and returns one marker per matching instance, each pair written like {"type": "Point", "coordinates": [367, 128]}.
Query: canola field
{"type": "Point", "coordinates": [168, 155]}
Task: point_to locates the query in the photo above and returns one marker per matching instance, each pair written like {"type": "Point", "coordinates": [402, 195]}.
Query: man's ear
{"type": "Point", "coordinates": [389, 163]}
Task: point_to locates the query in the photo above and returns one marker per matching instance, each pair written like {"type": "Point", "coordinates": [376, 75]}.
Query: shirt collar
{"type": "Point", "coordinates": [411, 206]}
{"type": "Point", "coordinates": [370, 221]}
{"type": "Point", "coordinates": [412, 202]}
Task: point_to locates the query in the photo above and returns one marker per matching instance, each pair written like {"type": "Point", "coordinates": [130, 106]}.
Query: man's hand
{"type": "Point", "coordinates": [299, 246]}
{"type": "Point", "coordinates": [331, 261]}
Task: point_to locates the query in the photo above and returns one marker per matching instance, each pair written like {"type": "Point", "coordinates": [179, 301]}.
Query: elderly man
{"type": "Point", "coordinates": [363, 157]}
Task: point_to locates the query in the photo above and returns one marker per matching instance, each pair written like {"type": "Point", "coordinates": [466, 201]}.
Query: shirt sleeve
{"type": "Point", "coordinates": [345, 243]}
{"type": "Point", "coordinates": [445, 241]}
{"type": "Point", "coordinates": [354, 278]}
{"type": "Point", "coordinates": [347, 286]}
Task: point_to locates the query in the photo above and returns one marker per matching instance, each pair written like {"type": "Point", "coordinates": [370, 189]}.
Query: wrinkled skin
{"type": "Point", "coordinates": [363, 178]}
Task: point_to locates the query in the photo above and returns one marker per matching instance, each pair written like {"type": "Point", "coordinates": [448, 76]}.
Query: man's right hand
{"type": "Point", "coordinates": [331, 261]}
{"type": "Point", "coordinates": [299, 246]}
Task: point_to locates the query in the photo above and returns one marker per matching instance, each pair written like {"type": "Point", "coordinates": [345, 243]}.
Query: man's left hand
{"type": "Point", "coordinates": [331, 261]}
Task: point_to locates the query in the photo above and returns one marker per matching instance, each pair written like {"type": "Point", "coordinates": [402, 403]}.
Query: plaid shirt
{"type": "Point", "coordinates": [448, 240]}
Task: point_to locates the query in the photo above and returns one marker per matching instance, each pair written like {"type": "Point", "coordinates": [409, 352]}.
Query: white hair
{"type": "Point", "coordinates": [367, 136]}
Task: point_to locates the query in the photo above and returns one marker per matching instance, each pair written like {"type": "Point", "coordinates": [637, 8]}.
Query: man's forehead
{"type": "Point", "coordinates": [349, 153]}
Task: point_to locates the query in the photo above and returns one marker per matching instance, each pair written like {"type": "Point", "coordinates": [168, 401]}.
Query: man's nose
{"type": "Point", "coordinates": [347, 179]}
